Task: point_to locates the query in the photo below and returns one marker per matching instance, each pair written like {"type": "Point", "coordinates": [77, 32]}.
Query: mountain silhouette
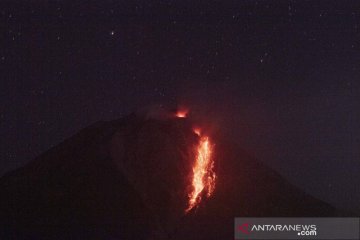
{"type": "Point", "coordinates": [130, 179]}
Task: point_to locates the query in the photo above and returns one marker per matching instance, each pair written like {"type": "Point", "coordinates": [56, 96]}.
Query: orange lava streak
{"type": "Point", "coordinates": [197, 131]}
{"type": "Point", "coordinates": [203, 173]}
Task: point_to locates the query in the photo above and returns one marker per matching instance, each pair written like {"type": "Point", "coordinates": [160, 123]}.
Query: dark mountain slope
{"type": "Point", "coordinates": [130, 179]}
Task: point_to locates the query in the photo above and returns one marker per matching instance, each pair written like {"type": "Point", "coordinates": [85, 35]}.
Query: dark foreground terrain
{"type": "Point", "coordinates": [130, 179]}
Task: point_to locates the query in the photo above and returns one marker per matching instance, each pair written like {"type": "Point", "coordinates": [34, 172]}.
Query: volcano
{"type": "Point", "coordinates": [131, 179]}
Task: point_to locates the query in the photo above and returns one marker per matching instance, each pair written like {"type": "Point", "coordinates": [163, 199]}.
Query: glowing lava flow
{"type": "Point", "coordinates": [203, 172]}
{"type": "Point", "coordinates": [203, 178]}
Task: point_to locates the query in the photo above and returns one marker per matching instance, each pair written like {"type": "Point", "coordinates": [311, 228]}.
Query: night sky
{"type": "Point", "coordinates": [279, 78]}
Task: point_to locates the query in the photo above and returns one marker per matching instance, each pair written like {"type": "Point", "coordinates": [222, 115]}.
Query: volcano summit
{"type": "Point", "coordinates": [133, 178]}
